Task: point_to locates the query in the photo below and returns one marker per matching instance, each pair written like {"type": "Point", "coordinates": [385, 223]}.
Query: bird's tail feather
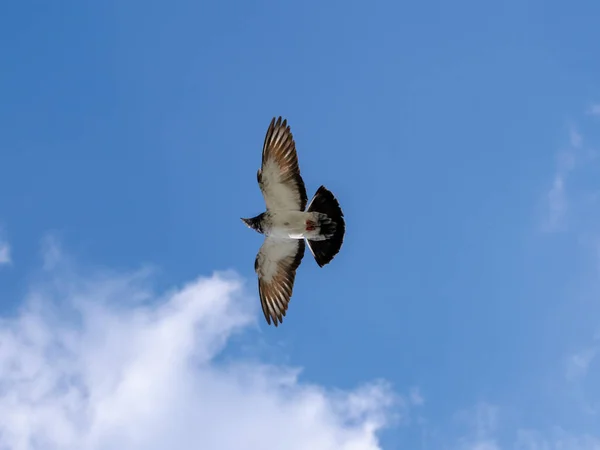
{"type": "Point", "coordinates": [324, 250]}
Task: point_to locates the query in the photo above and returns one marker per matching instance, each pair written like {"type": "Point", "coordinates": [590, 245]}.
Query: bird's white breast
{"type": "Point", "coordinates": [289, 224]}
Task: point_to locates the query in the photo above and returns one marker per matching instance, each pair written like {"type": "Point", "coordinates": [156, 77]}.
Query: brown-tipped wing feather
{"type": "Point", "coordinates": [276, 264]}
{"type": "Point", "coordinates": [279, 176]}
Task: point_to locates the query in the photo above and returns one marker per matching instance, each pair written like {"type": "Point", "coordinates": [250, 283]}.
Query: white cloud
{"type": "Point", "coordinates": [557, 204]}
{"type": "Point", "coordinates": [556, 198]}
{"type": "Point", "coordinates": [560, 196]}
{"type": "Point", "coordinates": [481, 422]}
{"type": "Point", "coordinates": [415, 396]}
{"type": "Point", "coordinates": [557, 439]}
{"type": "Point", "coordinates": [484, 434]}
{"type": "Point", "coordinates": [87, 365]}
{"type": "Point", "coordinates": [5, 256]}
{"type": "Point", "coordinates": [594, 110]}
{"type": "Point", "coordinates": [579, 363]}
{"type": "Point", "coordinates": [4, 253]}
{"type": "Point", "coordinates": [51, 254]}
{"type": "Point", "coordinates": [485, 444]}
{"type": "Point", "coordinates": [575, 137]}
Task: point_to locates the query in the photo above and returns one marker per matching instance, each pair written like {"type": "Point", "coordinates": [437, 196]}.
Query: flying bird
{"type": "Point", "coordinates": [286, 224]}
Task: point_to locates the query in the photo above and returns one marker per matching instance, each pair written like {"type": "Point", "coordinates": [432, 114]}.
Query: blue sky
{"type": "Point", "coordinates": [460, 138]}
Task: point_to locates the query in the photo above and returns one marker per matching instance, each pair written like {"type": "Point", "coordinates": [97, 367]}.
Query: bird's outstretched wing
{"type": "Point", "coordinates": [275, 265]}
{"type": "Point", "coordinates": [279, 176]}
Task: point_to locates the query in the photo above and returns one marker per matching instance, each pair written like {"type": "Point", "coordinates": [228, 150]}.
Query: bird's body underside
{"type": "Point", "coordinates": [288, 224]}
{"type": "Point", "coordinates": [295, 225]}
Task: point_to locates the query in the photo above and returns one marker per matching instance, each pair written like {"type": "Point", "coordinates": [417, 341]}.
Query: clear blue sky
{"type": "Point", "coordinates": [132, 131]}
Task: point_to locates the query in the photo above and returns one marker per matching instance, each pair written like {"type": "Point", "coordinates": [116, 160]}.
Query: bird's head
{"type": "Point", "coordinates": [255, 223]}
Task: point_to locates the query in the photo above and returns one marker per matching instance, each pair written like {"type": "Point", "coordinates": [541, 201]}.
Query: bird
{"type": "Point", "coordinates": [288, 224]}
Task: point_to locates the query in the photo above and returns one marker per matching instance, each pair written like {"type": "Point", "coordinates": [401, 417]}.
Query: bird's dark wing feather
{"type": "Point", "coordinates": [275, 265]}
{"type": "Point", "coordinates": [279, 176]}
